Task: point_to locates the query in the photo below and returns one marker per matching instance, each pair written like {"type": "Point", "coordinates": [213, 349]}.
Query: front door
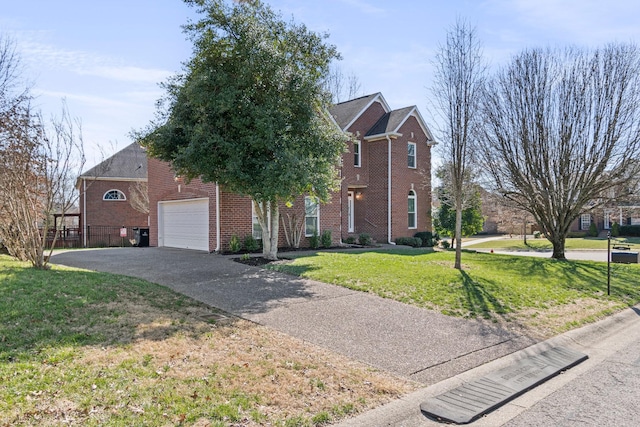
{"type": "Point", "coordinates": [607, 220]}
{"type": "Point", "coordinates": [350, 212]}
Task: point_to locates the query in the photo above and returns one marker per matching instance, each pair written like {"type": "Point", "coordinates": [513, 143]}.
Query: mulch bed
{"type": "Point", "coordinates": [255, 261]}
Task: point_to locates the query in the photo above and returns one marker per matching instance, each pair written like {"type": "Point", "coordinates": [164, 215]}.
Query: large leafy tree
{"type": "Point", "coordinates": [562, 130]}
{"type": "Point", "coordinates": [249, 112]}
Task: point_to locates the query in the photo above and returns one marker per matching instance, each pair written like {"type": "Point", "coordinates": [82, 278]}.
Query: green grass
{"type": "Point", "coordinates": [517, 244]}
{"type": "Point", "coordinates": [87, 348]}
{"type": "Point", "coordinates": [489, 285]}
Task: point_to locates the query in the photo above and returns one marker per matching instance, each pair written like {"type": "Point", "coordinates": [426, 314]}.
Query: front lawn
{"type": "Point", "coordinates": [583, 243]}
{"type": "Point", "coordinates": [543, 296]}
{"type": "Point", "coordinates": [86, 348]}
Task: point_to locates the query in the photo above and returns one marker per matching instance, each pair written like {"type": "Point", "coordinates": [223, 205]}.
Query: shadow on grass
{"type": "Point", "coordinates": [44, 310]}
{"type": "Point", "coordinates": [479, 300]}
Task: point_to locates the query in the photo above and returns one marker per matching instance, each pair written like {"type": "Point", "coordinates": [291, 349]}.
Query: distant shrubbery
{"type": "Point", "coordinates": [365, 239]}
{"type": "Point", "coordinates": [630, 230]}
{"type": "Point", "coordinates": [428, 238]}
{"type": "Point", "coordinates": [416, 242]}
{"type": "Point", "coordinates": [577, 234]}
{"type": "Point", "coordinates": [325, 239]}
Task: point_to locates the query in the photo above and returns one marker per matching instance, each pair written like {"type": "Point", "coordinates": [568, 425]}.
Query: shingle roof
{"type": "Point", "coordinates": [129, 163]}
{"type": "Point", "coordinates": [344, 112]}
{"type": "Point", "coordinates": [390, 122]}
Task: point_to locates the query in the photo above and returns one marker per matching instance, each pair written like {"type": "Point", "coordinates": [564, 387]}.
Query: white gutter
{"type": "Point", "coordinates": [389, 194]}
{"type": "Point", "coordinates": [217, 217]}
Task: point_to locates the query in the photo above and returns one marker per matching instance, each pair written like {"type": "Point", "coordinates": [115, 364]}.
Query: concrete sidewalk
{"type": "Point", "coordinates": [414, 343]}
{"type": "Point", "coordinates": [601, 341]}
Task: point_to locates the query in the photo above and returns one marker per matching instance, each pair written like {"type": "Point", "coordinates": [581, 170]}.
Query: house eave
{"type": "Point", "coordinates": [382, 136]}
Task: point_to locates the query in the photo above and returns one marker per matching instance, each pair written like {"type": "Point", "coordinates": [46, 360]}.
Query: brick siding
{"type": "Point", "coordinates": [114, 213]}
{"type": "Point", "coordinates": [371, 180]}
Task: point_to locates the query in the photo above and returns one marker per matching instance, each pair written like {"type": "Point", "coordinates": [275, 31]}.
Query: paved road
{"type": "Point", "coordinates": [603, 391]}
{"type": "Point", "coordinates": [418, 344]}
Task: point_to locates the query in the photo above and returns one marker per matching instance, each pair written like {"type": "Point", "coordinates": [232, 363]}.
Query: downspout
{"type": "Point", "coordinates": [217, 217]}
{"type": "Point", "coordinates": [84, 213]}
{"type": "Point", "coordinates": [389, 193]}
{"type": "Point", "coordinates": [341, 182]}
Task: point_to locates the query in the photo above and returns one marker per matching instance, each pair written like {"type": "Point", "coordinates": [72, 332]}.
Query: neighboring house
{"type": "Point", "coordinates": [385, 192]}
{"type": "Point", "coordinates": [623, 213]}
{"type": "Point", "coordinates": [501, 217]}
{"type": "Point", "coordinates": [105, 197]}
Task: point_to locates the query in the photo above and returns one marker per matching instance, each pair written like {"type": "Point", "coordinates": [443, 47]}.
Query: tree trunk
{"type": "Point", "coordinates": [458, 236]}
{"type": "Point", "coordinates": [558, 247]}
{"type": "Point", "coordinates": [272, 251]}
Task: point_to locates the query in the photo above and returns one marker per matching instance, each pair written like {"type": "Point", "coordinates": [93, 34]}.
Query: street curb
{"type": "Point", "coordinates": [405, 412]}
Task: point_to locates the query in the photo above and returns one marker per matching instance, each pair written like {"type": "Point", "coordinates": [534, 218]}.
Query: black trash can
{"type": "Point", "coordinates": [144, 237]}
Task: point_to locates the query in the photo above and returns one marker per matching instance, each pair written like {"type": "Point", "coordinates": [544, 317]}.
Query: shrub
{"type": "Point", "coordinates": [365, 239]}
{"type": "Point", "coordinates": [630, 230]}
{"type": "Point", "coordinates": [234, 244]}
{"type": "Point", "coordinates": [325, 239]}
{"type": "Point", "coordinates": [428, 239]}
{"type": "Point", "coordinates": [314, 240]}
{"type": "Point", "coordinates": [251, 244]}
{"type": "Point", "coordinates": [350, 240]}
{"type": "Point", "coordinates": [416, 242]}
{"type": "Point", "coordinates": [445, 244]}
{"type": "Point", "coordinates": [537, 234]}
{"type": "Point", "coordinates": [577, 234]}
{"type": "Point", "coordinates": [593, 230]}
{"type": "Point", "coordinates": [615, 229]}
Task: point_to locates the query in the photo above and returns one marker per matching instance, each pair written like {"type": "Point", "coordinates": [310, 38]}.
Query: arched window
{"type": "Point", "coordinates": [114, 195]}
{"type": "Point", "coordinates": [412, 220]}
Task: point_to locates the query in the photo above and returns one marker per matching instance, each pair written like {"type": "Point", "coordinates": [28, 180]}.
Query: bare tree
{"type": "Point", "coordinates": [38, 166]}
{"type": "Point", "coordinates": [459, 76]}
{"type": "Point", "coordinates": [342, 87]}
{"type": "Point", "coordinates": [139, 196]}
{"type": "Point", "coordinates": [561, 128]}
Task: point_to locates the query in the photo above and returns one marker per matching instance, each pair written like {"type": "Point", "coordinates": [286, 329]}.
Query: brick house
{"type": "Point", "coordinates": [105, 197]}
{"type": "Point", "coordinates": [385, 192]}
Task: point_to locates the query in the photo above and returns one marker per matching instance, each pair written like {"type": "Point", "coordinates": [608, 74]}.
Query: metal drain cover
{"type": "Point", "coordinates": [474, 399]}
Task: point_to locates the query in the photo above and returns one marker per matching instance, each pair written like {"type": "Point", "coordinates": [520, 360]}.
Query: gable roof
{"type": "Point", "coordinates": [130, 163]}
{"type": "Point", "coordinates": [390, 124]}
{"type": "Point", "coordinates": [345, 113]}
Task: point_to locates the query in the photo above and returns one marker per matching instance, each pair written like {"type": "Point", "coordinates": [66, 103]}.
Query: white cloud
{"type": "Point", "coordinates": [126, 73]}
{"type": "Point", "coordinates": [88, 64]}
{"type": "Point", "coordinates": [581, 22]}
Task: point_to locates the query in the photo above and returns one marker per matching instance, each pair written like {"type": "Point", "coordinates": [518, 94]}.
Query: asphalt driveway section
{"type": "Point", "coordinates": [415, 343]}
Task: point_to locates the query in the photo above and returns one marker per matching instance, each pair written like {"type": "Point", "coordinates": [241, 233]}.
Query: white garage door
{"type": "Point", "coordinates": [184, 224]}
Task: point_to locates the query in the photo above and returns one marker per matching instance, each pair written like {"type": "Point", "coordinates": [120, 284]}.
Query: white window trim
{"type": "Point", "coordinates": [351, 203]}
{"type": "Point", "coordinates": [585, 221]}
{"type": "Point", "coordinates": [359, 157]}
{"type": "Point", "coordinates": [124, 197]}
{"type": "Point", "coordinates": [317, 216]}
{"type": "Point", "coordinates": [414, 196]}
{"type": "Point", "coordinates": [415, 155]}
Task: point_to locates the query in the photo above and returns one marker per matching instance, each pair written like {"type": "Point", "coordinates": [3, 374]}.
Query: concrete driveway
{"type": "Point", "coordinates": [419, 344]}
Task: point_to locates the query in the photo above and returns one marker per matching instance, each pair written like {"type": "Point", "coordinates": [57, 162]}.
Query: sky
{"type": "Point", "coordinates": [106, 59]}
